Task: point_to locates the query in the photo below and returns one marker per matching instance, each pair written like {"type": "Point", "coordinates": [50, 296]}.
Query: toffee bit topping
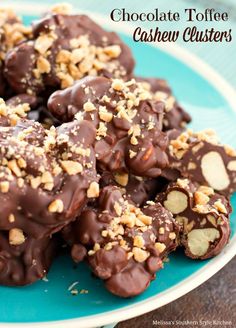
{"type": "Point", "coordinates": [72, 167]}
{"type": "Point", "coordinates": [140, 255]}
{"type": "Point", "coordinates": [12, 29]}
{"type": "Point", "coordinates": [128, 216]}
{"type": "Point", "coordinates": [179, 146]}
{"type": "Point", "coordinates": [101, 131]}
{"type": "Point", "coordinates": [201, 198]}
{"type": "Point", "coordinates": [56, 206]}
{"type": "Point", "coordinates": [93, 190]}
{"type": "Point", "coordinates": [16, 237]}
{"type": "Point", "coordinates": [44, 42]}
{"type": "Point", "coordinates": [85, 58]}
{"type": "Point", "coordinates": [122, 178]}
{"type": "Point", "coordinates": [206, 190]}
{"type": "Point", "coordinates": [160, 247]}
{"type": "Point", "coordinates": [4, 186]}
{"type": "Point", "coordinates": [220, 207]}
{"type": "Point", "coordinates": [88, 107]}
{"type": "Point", "coordinates": [13, 114]}
{"type": "Point", "coordinates": [11, 218]}
{"type": "Point", "coordinates": [139, 241]}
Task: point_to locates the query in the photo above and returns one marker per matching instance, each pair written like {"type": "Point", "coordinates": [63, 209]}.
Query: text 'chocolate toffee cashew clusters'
{"type": "Point", "coordinates": [124, 245]}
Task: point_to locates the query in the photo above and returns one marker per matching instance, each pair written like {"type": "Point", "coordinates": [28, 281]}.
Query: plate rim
{"type": "Point", "coordinates": [215, 264]}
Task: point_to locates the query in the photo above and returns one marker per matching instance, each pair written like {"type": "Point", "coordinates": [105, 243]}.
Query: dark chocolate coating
{"type": "Point", "coordinates": [61, 30]}
{"type": "Point", "coordinates": [115, 148]}
{"type": "Point", "coordinates": [37, 186]}
{"type": "Point", "coordinates": [124, 276]}
{"type": "Point", "coordinates": [203, 215]}
{"type": "Point", "coordinates": [26, 263]}
{"type": "Point", "coordinates": [138, 189]}
{"type": "Point", "coordinates": [175, 116]}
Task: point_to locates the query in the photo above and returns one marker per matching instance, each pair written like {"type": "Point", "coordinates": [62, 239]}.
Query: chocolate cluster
{"type": "Point", "coordinates": [63, 49]}
{"type": "Point", "coordinates": [99, 158]}
{"type": "Point", "coordinates": [128, 121]}
{"type": "Point", "coordinates": [46, 177]}
{"type": "Point", "coordinates": [123, 244]}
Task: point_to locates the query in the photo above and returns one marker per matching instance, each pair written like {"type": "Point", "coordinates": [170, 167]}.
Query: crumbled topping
{"type": "Point", "coordinates": [121, 178]}
{"type": "Point", "coordinates": [72, 167]}
{"type": "Point", "coordinates": [13, 114]}
{"type": "Point", "coordinates": [12, 29]}
{"type": "Point", "coordinates": [85, 58]}
{"type": "Point", "coordinates": [56, 206]}
{"type": "Point", "coordinates": [4, 186]}
{"type": "Point", "coordinates": [93, 190]}
{"type": "Point", "coordinates": [16, 237]}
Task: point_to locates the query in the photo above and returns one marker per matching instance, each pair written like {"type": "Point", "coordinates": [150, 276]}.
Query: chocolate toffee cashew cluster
{"type": "Point", "coordinates": [46, 176]}
{"type": "Point", "coordinates": [23, 259]}
{"type": "Point", "coordinates": [138, 189]}
{"type": "Point", "coordinates": [125, 245]}
{"type": "Point", "coordinates": [175, 117]}
{"type": "Point", "coordinates": [203, 215]}
{"type": "Point", "coordinates": [127, 119]}
{"type": "Point", "coordinates": [12, 31]}
{"type": "Point", "coordinates": [65, 48]}
{"type": "Point", "coordinates": [201, 157]}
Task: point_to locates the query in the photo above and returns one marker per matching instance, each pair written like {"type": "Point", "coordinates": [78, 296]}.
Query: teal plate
{"type": "Point", "coordinates": [49, 303]}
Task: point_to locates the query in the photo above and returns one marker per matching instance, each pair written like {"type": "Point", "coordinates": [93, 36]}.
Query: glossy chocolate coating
{"type": "Point", "coordinates": [203, 215]}
{"type": "Point", "coordinates": [175, 116]}
{"type": "Point", "coordinates": [38, 187]}
{"type": "Point", "coordinates": [138, 189]}
{"type": "Point", "coordinates": [26, 263]}
{"type": "Point", "coordinates": [58, 32]}
{"type": "Point", "coordinates": [124, 275]}
{"type": "Point", "coordinates": [132, 138]}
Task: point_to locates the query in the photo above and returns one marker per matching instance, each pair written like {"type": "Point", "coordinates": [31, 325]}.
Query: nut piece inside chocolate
{"type": "Point", "coordinates": [176, 202]}
{"type": "Point", "coordinates": [199, 240]}
{"type": "Point", "coordinates": [213, 170]}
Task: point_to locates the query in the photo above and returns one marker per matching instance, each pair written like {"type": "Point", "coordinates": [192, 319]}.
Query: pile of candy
{"type": "Point", "coordinates": [100, 159]}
